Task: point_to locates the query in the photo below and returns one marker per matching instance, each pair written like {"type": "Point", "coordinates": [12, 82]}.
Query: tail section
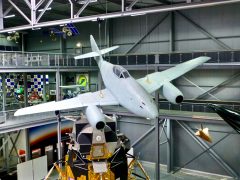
{"type": "Point", "coordinates": [94, 45]}
{"type": "Point", "coordinates": [96, 53]}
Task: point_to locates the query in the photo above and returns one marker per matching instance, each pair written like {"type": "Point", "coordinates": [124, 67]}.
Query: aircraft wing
{"type": "Point", "coordinates": [154, 81]}
{"type": "Point", "coordinates": [99, 98]}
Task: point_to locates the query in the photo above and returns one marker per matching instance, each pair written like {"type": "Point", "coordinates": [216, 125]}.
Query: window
{"type": "Point", "coordinates": [116, 71]}
{"type": "Point", "coordinates": [126, 74]}
{"type": "Point", "coordinates": [120, 72]}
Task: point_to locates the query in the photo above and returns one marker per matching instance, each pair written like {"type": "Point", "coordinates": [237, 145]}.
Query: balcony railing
{"type": "Point", "coordinates": [33, 59]}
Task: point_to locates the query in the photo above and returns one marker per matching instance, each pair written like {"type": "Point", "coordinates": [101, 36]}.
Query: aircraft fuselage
{"type": "Point", "coordinates": [127, 91]}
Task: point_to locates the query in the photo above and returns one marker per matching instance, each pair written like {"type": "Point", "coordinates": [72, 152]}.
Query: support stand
{"type": "Point", "coordinates": [59, 137]}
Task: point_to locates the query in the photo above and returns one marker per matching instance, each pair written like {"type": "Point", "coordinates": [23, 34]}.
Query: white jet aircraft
{"type": "Point", "coordinates": [121, 89]}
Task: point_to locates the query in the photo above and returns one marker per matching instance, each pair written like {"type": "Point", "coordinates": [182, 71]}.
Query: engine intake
{"type": "Point", "coordinates": [95, 117]}
{"type": "Point", "coordinates": [171, 93]}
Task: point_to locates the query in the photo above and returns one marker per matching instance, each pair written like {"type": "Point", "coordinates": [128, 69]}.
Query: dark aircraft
{"type": "Point", "coordinates": [232, 117]}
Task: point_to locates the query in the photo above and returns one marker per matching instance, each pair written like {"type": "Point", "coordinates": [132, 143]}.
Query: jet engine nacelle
{"type": "Point", "coordinates": [95, 117]}
{"type": "Point", "coordinates": [171, 93]}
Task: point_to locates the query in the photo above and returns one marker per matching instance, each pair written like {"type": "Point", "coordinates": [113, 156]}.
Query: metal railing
{"type": "Point", "coordinates": [194, 106]}
{"type": "Point", "coordinates": [36, 59]}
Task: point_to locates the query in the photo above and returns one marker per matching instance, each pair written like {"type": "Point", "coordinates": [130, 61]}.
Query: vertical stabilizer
{"type": "Point", "coordinates": [94, 45]}
{"type": "Point", "coordinates": [95, 49]}
{"type": "Point", "coordinates": [96, 53]}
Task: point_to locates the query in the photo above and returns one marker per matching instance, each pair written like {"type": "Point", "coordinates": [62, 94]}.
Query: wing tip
{"type": "Point", "coordinates": [205, 58]}
{"type": "Point", "coordinates": [18, 113]}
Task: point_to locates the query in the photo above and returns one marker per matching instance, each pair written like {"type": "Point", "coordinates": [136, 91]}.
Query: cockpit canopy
{"type": "Point", "coordinates": [120, 72]}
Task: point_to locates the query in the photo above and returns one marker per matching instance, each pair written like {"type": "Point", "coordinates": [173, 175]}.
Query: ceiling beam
{"type": "Point", "coordinates": [118, 14]}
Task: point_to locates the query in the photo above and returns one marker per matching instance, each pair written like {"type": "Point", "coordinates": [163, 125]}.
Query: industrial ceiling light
{"type": "Point", "coordinates": [9, 16]}
{"type": "Point", "coordinates": [48, 9]}
{"type": "Point", "coordinates": [78, 44]}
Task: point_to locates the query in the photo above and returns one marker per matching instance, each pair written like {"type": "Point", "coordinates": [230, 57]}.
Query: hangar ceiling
{"type": "Point", "coordinates": [61, 9]}
{"type": "Point", "coordinates": [30, 14]}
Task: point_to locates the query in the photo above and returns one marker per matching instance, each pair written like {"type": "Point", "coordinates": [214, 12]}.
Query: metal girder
{"type": "Point", "coordinates": [157, 149]}
{"type": "Point", "coordinates": [25, 89]}
{"type": "Point", "coordinates": [1, 14]}
{"type": "Point", "coordinates": [59, 138]}
{"type": "Point", "coordinates": [229, 80]}
{"type": "Point", "coordinates": [13, 145]}
{"type": "Point", "coordinates": [172, 32]}
{"type": "Point", "coordinates": [19, 10]}
{"type": "Point", "coordinates": [212, 153]}
{"type": "Point", "coordinates": [39, 3]}
{"type": "Point", "coordinates": [147, 33]}
{"type": "Point", "coordinates": [122, 14]}
{"type": "Point", "coordinates": [206, 33]}
{"type": "Point", "coordinates": [176, 170]}
{"type": "Point", "coordinates": [28, 3]}
{"type": "Point", "coordinates": [164, 121]}
{"type": "Point", "coordinates": [129, 8]}
{"type": "Point", "coordinates": [169, 146]}
{"type": "Point", "coordinates": [58, 80]}
{"type": "Point", "coordinates": [27, 140]}
{"type": "Point", "coordinates": [7, 10]}
{"type": "Point", "coordinates": [143, 136]}
{"type": "Point", "coordinates": [72, 10]}
{"type": "Point", "coordinates": [123, 5]}
{"type": "Point", "coordinates": [5, 141]}
{"type": "Point", "coordinates": [43, 11]}
{"type": "Point", "coordinates": [157, 168]}
{"type": "Point", "coordinates": [33, 12]}
{"type": "Point", "coordinates": [82, 9]}
{"type": "Point", "coordinates": [200, 88]}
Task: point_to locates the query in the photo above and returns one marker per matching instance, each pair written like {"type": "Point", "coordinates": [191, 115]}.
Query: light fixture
{"type": "Point", "coordinates": [9, 16]}
{"type": "Point", "coordinates": [48, 9]}
{"type": "Point", "coordinates": [78, 44]}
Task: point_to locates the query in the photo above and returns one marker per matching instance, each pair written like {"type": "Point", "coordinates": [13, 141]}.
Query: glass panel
{"type": "Point", "coordinates": [126, 74]}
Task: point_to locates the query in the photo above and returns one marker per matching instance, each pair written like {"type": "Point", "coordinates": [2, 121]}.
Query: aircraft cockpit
{"type": "Point", "coordinates": [121, 72]}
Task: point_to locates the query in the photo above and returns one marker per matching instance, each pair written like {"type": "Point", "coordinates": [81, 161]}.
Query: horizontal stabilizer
{"type": "Point", "coordinates": [107, 50]}
{"type": "Point", "coordinates": [87, 55]}
{"type": "Point", "coordinates": [70, 86]}
{"type": "Point", "coordinates": [95, 54]}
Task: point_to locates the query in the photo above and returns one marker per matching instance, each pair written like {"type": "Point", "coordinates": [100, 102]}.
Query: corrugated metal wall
{"type": "Point", "coordinates": [184, 147]}
{"type": "Point", "coordinates": [220, 21]}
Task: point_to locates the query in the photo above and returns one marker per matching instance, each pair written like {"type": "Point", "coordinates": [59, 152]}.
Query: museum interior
{"type": "Point", "coordinates": [119, 89]}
